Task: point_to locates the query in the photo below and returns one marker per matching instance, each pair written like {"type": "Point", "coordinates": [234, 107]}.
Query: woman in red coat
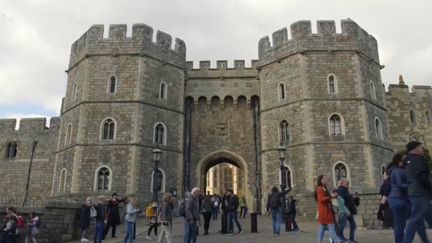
{"type": "Point", "coordinates": [325, 213]}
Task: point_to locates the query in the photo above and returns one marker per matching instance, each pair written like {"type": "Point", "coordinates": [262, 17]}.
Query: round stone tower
{"type": "Point", "coordinates": [124, 95]}
{"type": "Point", "coordinates": [322, 97]}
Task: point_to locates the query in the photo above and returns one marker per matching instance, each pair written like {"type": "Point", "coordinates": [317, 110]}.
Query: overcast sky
{"type": "Point", "coordinates": [36, 36]}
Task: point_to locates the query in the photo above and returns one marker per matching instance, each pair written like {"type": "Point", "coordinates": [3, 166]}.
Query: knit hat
{"type": "Point", "coordinates": [412, 145]}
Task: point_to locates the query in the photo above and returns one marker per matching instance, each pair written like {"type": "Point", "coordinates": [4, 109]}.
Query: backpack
{"type": "Point", "coordinates": [93, 212]}
{"type": "Point", "coordinates": [274, 201]}
{"type": "Point", "coordinates": [182, 209]}
{"type": "Point", "coordinates": [149, 212]}
{"type": "Point", "coordinates": [20, 222]}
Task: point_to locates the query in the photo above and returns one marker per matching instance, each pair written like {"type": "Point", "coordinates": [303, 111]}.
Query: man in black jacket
{"type": "Point", "coordinates": [419, 191]}
{"type": "Point", "coordinates": [350, 205]}
{"type": "Point", "coordinates": [232, 206]}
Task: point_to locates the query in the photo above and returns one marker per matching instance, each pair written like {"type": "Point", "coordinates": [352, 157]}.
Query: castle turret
{"type": "Point", "coordinates": [322, 97]}
{"type": "Point", "coordinates": [124, 96]}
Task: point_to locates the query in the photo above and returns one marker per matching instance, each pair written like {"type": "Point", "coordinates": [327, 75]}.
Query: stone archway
{"type": "Point", "coordinates": [223, 156]}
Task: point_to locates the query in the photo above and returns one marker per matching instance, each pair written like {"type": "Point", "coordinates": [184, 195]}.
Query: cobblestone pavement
{"type": "Point", "coordinates": [264, 235]}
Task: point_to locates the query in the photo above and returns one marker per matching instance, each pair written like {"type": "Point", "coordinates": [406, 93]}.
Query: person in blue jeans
{"type": "Point", "coordinates": [344, 193]}
{"type": "Point", "coordinates": [232, 207]}
{"type": "Point", "coordinates": [192, 216]}
{"type": "Point", "coordinates": [398, 197]}
{"type": "Point", "coordinates": [132, 212]}
{"type": "Point", "coordinates": [274, 207]}
{"type": "Point", "coordinates": [100, 220]}
{"type": "Point", "coordinates": [419, 191]}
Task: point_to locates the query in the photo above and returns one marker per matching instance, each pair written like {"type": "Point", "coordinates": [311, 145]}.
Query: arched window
{"type": "Point", "coordinates": [159, 133]}
{"type": "Point", "coordinates": [103, 179]}
{"type": "Point", "coordinates": [335, 125]}
{"type": "Point", "coordinates": [161, 180]}
{"type": "Point", "coordinates": [340, 171]}
{"type": "Point", "coordinates": [112, 85]}
{"type": "Point", "coordinates": [428, 117]}
{"type": "Point", "coordinates": [378, 129]}
{"type": "Point", "coordinates": [11, 150]}
{"type": "Point", "coordinates": [332, 84]}
{"type": "Point", "coordinates": [68, 136]}
{"type": "Point", "coordinates": [108, 129]}
{"type": "Point", "coordinates": [282, 91]}
{"type": "Point", "coordinates": [373, 90]}
{"type": "Point", "coordinates": [413, 118]}
{"type": "Point", "coordinates": [163, 89]}
{"type": "Point", "coordinates": [62, 184]}
{"type": "Point", "coordinates": [284, 132]}
{"type": "Point", "coordinates": [74, 93]}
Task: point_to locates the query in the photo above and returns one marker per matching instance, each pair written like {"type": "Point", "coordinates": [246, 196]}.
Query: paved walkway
{"type": "Point", "coordinates": [264, 235]}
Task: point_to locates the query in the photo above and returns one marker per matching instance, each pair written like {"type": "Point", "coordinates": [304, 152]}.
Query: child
{"type": "Point", "coordinates": [151, 213]}
{"type": "Point", "coordinates": [34, 227]}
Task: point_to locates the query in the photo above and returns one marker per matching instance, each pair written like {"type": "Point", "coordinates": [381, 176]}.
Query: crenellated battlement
{"type": "Point", "coordinates": [352, 38]}
{"type": "Point", "coordinates": [222, 65]}
{"type": "Point", "coordinates": [419, 91]}
{"type": "Point", "coordinates": [93, 42]}
{"type": "Point", "coordinates": [29, 125]}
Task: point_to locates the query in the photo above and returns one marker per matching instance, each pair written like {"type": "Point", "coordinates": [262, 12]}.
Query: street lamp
{"type": "Point", "coordinates": [157, 174]}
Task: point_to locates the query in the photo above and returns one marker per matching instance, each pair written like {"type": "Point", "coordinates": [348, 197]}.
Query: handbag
{"type": "Point", "coordinates": [380, 213]}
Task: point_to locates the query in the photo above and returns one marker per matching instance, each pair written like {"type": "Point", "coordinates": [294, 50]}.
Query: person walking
{"type": "Point", "coordinates": [130, 218]}
{"type": "Point", "coordinates": [344, 193]}
{"type": "Point", "coordinates": [216, 205]}
{"type": "Point", "coordinates": [293, 213]}
{"type": "Point", "coordinates": [232, 207]}
{"type": "Point", "coordinates": [243, 206]}
{"type": "Point", "coordinates": [85, 219]}
{"type": "Point", "coordinates": [419, 191]}
{"type": "Point", "coordinates": [113, 214]}
{"type": "Point", "coordinates": [207, 208]}
{"type": "Point", "coordinates": [398, 196]}
{"type": "Point", "coordinates": [34, 225]}
{"type": "Point", "coordinates": [152, 215]}
{"type": "Point", "coordinates": [192, 217]}
{"type": "Point", "coordinates": [100, 220]}
{"type": "Point", "coordinates": [385, 213]}
{"type": "Point", "coordinates": [325, 213]}
{"type": "Point", "coordinates": [165, 217]}
{"type": "Point", "coordinates": [274, 207]}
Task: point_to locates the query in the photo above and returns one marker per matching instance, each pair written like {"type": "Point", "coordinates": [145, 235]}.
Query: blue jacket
{"type": "Point", "coordinates": [398, 182]}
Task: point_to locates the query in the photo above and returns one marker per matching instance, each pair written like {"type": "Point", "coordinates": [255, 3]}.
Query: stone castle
{"type": "Point", "coordinates": [319, 94]}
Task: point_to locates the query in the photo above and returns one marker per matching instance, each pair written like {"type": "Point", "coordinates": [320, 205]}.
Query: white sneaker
{"type": "Point", "coordinates": [84, 240]}
{"type": "Point", "coordinates": [148, 237]}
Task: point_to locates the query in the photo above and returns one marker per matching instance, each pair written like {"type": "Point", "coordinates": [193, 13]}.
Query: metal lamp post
{"type": "Point", "coordinates": [283, 183]}
{"type": "Point", "coordinates": [157, 174]}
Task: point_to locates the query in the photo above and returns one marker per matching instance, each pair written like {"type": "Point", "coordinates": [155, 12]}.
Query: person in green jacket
{"type": "Point", "coordinates": [243, 207]}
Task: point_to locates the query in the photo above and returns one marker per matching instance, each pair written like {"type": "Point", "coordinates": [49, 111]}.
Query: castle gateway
{"type": "Point", "coordinates": [319, 94]}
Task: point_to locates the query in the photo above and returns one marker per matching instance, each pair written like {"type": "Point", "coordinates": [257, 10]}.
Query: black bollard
{"type": "Point", "coordinates": [254, 223]}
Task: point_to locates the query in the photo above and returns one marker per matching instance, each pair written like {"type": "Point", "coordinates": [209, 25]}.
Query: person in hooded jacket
{"type": "Point", "coordinates": [419, 191]}
{"type": "Point", "coordinates": [398, 197]}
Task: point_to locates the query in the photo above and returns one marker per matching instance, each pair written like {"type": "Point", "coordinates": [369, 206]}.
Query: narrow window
{"type": "Point", "coordinates": [163, 90]}
{"type": "Point", "coordinates": [335, 125]}
{"type": "Point", "coordinates": [412, 117]}
{"type": "Point", "coordinates": [288, 178]}
{"type": "Point", "coordinates": [159, 134]}
{"type": "Point", "coordinates": [282, 91]}
{"type": "Point", "coordinates": [74, 92]}
{"type": "Point", "coordinates": [108, 129]}
{"type": "Point", "coordinates": [378, 129]}
{"type": "Point", "coordinates": [62, 185]}
{"type": "Point", "coordinates": [8, 150]}
{"type": "Point", "coordinates": [68, 137]}
{"type": "Point", "coordinates": [284, 132]}
{"type": "Point", "coordinates": [112, 85]}
{"type": "Point", "coordinates": [103, 179]}
{"type": "Point", "coordinates": [11, 150]}
{"type": "Point", "coordinates": [340, 172]}
{"type": "Point", "coordinates": [428, 117]}
{"type": "Point", "coordinates": [331, 84]}
{"type": "Point", "coordinates": [373, 90]}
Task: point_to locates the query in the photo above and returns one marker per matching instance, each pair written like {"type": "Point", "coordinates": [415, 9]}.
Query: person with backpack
{"type": "Point", "coordinates": [34, 225]}
{"type": "Point", "coordinates": [85, 218]}
{"type": "Point", "coordinates": [352, 210]}
{"type": "Point", "coordinates": [152, 215]}
{"type": "Point", "coordinates": [274, 207]}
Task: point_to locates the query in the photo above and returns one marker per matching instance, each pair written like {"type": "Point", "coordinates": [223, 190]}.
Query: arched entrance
{"type": "Point", "coordinates": [224, 157]}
